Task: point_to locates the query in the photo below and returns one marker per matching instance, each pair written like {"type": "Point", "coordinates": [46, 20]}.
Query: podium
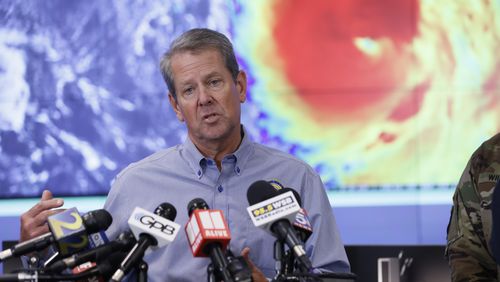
{"type": "Point", "coordinates": [428, 262]}
{"type": "Point", "coordinates": [323, 277]}
{"type": "Point", "coordinates": [337, 277]}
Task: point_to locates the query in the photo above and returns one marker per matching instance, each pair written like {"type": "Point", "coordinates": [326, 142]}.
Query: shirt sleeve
{"type": "Point", "coordinates": [467, 255]}
{"type": "Point", "coordinates": [495, 230]}
{"type": "Point", "coordinates": [114, 205]}
{"type": "Point", "coordinates": [325, 246]}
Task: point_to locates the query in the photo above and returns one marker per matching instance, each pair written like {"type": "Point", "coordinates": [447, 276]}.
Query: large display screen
{"type": "Point", "coordinates": [385, 99]}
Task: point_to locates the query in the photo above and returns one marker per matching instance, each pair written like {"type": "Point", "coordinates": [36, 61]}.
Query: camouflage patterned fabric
{"type": "Point", "coordinates": [469, 229]}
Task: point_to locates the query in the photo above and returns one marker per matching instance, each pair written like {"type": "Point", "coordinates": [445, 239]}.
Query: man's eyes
{"type": "Point", "coordinates": [215, 82]}
{"type": "Point", "coordinates": [212, 83]}
{"type": "Point", "coordinates": [188, 91]}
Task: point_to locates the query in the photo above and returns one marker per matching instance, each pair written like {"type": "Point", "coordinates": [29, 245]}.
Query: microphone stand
{"type": "Point", "coordinates": [289, 262]}
{"type": "Point", "coordinates": [285, 262]}
{"type": "Point", "coordinates": [214, 275]}
{"type": "Point", "coordinates": [36, 276]}
{"type": "Point", "coordinates": [237, 270]}
{"type": "Point", "coordinates": [142, 271]}
{"type": "Point", "coordinates": [220, 271]}
{"type": "Point", "coordinates": [279, 257]}
{"type": "Point", "coordinates": [210, 273]}
{"type": "Point", "coordinates": [286, 266]}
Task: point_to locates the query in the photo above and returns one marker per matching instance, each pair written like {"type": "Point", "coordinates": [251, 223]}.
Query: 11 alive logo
{"type": "Point", "coordinates": [282, 206]}
{"type": "Point", "coordinates": [205, 227]}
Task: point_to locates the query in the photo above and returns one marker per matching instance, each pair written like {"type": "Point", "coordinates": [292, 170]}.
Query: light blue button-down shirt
{"type": "Point", "coordinates": [181, 173]}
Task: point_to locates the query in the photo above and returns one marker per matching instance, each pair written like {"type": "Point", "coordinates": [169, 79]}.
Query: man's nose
{"type": "Point", "coordinates": [205, 97]}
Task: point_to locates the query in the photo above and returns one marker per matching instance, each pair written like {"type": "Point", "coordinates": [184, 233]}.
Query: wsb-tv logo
{"type": "Point", "coordinates": [69, 231]}
{"type": "Point", "coordinates": [282, 206]}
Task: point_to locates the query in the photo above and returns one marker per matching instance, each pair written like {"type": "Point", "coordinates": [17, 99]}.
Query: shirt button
{"type": "Point", "coordinates": [220, 188]}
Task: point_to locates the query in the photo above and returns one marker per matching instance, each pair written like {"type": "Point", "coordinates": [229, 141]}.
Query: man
{"type": "Point", "coordinates": [469, 230]}
{"type": "Point", "coordinates": [217, 162]}
{"type": "Point", "coordinates": [495, 226]}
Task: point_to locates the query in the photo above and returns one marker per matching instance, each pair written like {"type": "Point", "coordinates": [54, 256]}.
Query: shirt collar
{"type": "Point", "coordinates": [198, 163]}
{"type": "Point", "coordinates": [243, 152]}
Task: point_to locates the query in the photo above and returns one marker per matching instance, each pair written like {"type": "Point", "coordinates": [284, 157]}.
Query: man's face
{"type": "Point", "coordinates": [208, 99]}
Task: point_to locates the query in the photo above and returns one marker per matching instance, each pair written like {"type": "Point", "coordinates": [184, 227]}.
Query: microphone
{"type": "Point", "coordinates": [273, 212]}
{"type": "Point", "coordinates": [103, 270]}
{"type": "Point", "coordinates": [301, 223]}
{"type": "Point", "coordinates": [302, 226]}
{"type": "Point", "coordinates": [152, 230]}
{"type": "Point", "coordinates": [68, 230]}
{"type": "Point", "coordinates": [124, 242]}
{"type": "Point", "coordinates": [208, 235]}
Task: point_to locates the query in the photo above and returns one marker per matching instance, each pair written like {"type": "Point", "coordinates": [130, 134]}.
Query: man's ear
{"type": "Point", "coordinates": [241, 85]}
{"type": "Point", "coordinates": [176, 108]}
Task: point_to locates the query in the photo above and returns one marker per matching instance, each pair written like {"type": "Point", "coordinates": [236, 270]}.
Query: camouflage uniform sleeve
{"type": "Point", "coordinates": [467, 247]}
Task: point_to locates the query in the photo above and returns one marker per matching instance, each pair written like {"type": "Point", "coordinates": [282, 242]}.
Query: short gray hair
{"type": "Point", "coordinates": [198, 39]}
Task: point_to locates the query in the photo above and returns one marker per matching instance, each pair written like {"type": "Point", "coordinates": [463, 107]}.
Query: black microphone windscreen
{"type": "Point", "coordinates": [126, 238]}
{"type": "Point", "coordinates": [125, 241]}
{"type": "Point", "coordinates": [196, 204]}
{"type": "Point", "coordinates": [97, 220]}
{"type": "Point", "coordinates": [260, 191]}
{"type": "Point", "coordinates": [166, 210]}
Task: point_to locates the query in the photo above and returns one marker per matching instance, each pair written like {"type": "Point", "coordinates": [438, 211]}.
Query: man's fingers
{"type": "Point", "coordinates": [41, 218]}
{"type": "Point", "coordinates": [245, 254]}
{"type": "Point", "coordinates": [257, 275]}
{"type": "Point", "coordinates": [35, 226]}
{"type": "Point", "coordinates": [40, 230]}
{"type": "Point", "coordinates": [49, 213]}
{"type": "Point", "coordinates": [45, 205]}
{"type": "Point", "coordinates": [46, 195]}
{"type": "Point", "coordinates": [34, 232]}
{"type": "Point", "coordinates": [55, 211]}
{"type": "Point", "coordinates": [34, 221]}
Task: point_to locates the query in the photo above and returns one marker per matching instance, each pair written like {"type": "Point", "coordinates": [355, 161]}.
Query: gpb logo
{"type": "Point", "coordinates": [152, 223]}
